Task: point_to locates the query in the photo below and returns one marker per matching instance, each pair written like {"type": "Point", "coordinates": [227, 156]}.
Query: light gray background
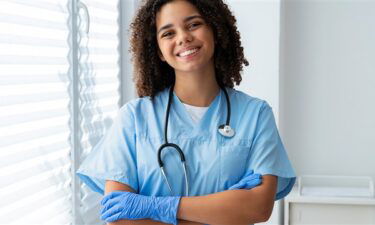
{"type": "Point", "coordinates": [327, 86]}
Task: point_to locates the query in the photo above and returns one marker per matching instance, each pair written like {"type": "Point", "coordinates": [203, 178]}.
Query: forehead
{"type": "Point", "coordinates": [175, 11]}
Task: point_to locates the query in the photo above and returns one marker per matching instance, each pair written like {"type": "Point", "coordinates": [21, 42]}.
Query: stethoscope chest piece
{"type": "Point", "coordinates": [226, 131]}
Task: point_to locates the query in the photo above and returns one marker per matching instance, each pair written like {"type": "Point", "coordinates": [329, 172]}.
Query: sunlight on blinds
{"type": "Point", "coordinates": [99, 85]}
{"type": "Point", "coordinates": [35, 163]}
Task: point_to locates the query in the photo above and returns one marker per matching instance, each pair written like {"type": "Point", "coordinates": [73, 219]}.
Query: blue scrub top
{"type": "Point", "coordinates": [128, 151]}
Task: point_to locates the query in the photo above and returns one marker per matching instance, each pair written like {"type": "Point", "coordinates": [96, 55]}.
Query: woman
{"type": "Point", "coordinates": [188, 56]}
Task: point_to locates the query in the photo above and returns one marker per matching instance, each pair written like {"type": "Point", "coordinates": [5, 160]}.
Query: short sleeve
{"type": "Point", "coordinates": [114, 157]}
{"type": "Point", "coordinates": [268, 155]}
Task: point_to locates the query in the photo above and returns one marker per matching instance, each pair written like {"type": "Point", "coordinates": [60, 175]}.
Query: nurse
{"type": "Point", "coordinates": [189, 52]}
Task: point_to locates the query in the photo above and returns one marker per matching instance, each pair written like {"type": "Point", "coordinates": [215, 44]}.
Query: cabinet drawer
{"type": "Point", "coordinates": [315, 213]}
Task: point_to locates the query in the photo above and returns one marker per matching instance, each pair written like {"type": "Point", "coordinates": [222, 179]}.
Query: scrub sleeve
{"type": "Point", "coordinates": [114, 157]}
{"type": "Point", "coordinates": [268, 155]}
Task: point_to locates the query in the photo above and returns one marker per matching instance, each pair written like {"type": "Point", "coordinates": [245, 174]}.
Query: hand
{"type": "Point", "coordinates": [130, 206]}
{"type": "Point", "coordinates": [250, 180]}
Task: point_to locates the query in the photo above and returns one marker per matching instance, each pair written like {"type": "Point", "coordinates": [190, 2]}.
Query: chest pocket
{"type": "Point", "coordinates": [234, 157]}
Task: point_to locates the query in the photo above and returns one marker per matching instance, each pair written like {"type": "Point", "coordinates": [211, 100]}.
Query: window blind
{"type": "Point", "coordinates": [35, 175]}
{"type": "Point", "coordinates": [59, 91]}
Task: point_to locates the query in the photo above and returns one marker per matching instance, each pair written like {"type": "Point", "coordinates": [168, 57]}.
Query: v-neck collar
{"type": "Point", "coordinates": [209, 120]}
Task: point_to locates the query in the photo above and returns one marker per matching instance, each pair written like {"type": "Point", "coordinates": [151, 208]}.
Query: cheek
{"type": "Point", "coordinates": [209, 37]}
{"type": "Point", "coordinates": [165, 49]}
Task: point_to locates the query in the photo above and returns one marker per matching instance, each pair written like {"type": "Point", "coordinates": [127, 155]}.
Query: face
{"type": "Point", "coordinates": [186, 42]}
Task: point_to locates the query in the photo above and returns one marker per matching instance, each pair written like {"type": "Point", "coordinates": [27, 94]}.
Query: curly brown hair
{"type": "Point", "coordinates": [152, 75]}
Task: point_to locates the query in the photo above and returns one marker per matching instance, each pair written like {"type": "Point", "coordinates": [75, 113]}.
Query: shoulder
{"type": "Point", "coordinates": [246, 101]}
{"type": "Point", "coordinates": [138, 106]}
{"type": "Point", "coordinates": [135, 104]}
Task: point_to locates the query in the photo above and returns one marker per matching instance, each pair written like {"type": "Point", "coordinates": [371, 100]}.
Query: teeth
{"type": "Point", "coordinates": [188, 52]}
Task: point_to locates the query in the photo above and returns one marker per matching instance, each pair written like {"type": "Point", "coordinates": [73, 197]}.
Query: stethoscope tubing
{"type": "Point", "coordinates": [176, 147]}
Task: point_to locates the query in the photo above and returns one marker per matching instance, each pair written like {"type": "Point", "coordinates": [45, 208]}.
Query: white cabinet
{"type": "Point", "coordinates": [321, 210]}
{"type": "Point", "coordinates": [327, 209]}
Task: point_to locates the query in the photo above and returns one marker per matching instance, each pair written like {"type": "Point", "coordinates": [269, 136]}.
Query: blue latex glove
{"type": "Point", "coordinates": [130, 206]}
{"type": "Point", "coordinates": [250, 180]}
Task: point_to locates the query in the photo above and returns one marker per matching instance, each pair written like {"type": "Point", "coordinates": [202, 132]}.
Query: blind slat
{"type": "Point", "coordinates": [29, 117]}
{"type": "Point", "coordinates": [53, 12]}
{"type": "Point", "coordinates": [32, 79]}
{"type": "Point", "coordinates": [10, 59]}
{"type": "Point", "coordinates": [29, 21]}
{"type": "Point", "coordinates": [37, 133]}
{"type": "Point", "coordinates": [25, 40]}
{"type": "Point", "coordinates": [24, 99]}
{"type": "Point", "coordinates": [33, 31]}
{"type": "Point", "coordinates": [31, 153]}
{"type": "Point", "coordinates": [54, 6]}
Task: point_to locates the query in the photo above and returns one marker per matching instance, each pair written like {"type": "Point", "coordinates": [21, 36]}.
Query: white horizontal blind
{"type": "Point", "coordinates": [35, 164]}
{"type": "Point", "coordinates": [99, 85]}
{"type": "Point", "coordinates": [38, 110]}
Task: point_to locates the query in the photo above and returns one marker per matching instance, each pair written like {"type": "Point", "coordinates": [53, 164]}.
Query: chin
{"type": "Point", "coordinates": [190, 69]}
{"type": "Point", "coordinates": [193, 67]}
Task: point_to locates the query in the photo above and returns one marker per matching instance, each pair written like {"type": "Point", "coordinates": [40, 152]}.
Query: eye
{"type": "Point", "coordinates": [167, 34]}
{"type": "Point", "coordinates": [194, 25]}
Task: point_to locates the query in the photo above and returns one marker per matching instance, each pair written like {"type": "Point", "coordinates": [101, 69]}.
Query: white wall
{"type": "Point", "coordinates": [259, 25]}
{"type": "Point", "coordinates": [327, 86]}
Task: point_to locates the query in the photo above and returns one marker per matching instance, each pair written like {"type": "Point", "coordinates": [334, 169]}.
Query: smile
{"type": "Point", "coordinates": [188, 52]}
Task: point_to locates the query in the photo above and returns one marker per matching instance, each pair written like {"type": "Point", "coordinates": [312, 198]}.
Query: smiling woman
{"type": "Point", "coordinates": [186, 42]}
{"type": "Point", "coordinates": [153, 33]}
{"type": "Point", "coordinates": [229, 164]}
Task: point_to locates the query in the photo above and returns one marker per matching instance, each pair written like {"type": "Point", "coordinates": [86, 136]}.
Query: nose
{"type": "Point", "coordinates": [184, 37]}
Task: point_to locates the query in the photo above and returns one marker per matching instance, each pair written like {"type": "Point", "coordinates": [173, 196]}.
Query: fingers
{"type": "Point", "coordinates": [110, 196]}
{"type": "Point", "coordinates": [105, 214]}
{"type": "Point", "coordinates": [109, 201]}
{"type": "Point", "coordinates": [234, 187]}
{"type": "Point", "coordinates": [111, 217]}
{"type": "Point", "coordinates": [253, 183]}
{"type": "Point", "coordinates": [108, 206]}
{"type": "Point", "coordinates": [239, 185]}
{"type": "Point", "coordinates": [114, 195]}
{"type": "Point", "coordinates": [116, 200]}
{"type": "Point", "coordinates": [112, 205]}
{"type": "Point", "coordinates": [249, 173]}
{"type": "Point", "coordinates": [255, 176]}
{"type": "Point", "coordinates": [249, 181]}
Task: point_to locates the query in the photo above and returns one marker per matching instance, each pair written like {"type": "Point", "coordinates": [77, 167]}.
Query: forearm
{"type": "Point", "coordinates": [230, 207]}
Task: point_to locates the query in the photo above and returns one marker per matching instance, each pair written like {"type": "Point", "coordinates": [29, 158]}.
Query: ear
{"type": "Point", "coordinates": [161, 55]}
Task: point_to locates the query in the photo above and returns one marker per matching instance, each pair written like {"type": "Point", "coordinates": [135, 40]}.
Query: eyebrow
{"type": "Point", "coordinates": [185, 20]}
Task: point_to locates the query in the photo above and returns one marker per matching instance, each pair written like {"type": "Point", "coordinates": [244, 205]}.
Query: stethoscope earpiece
{"type": "Point", "coordinates": [226, 130]}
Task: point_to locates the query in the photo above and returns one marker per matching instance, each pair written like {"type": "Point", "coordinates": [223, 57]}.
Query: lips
{"type": "Point", "coordinates": [187, 51]}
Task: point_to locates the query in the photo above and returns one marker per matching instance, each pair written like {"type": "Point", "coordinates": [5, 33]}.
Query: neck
{"type": "Point", "coordinates": [196, 88]}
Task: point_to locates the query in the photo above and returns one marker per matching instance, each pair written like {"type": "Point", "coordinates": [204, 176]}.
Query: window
{"type": "Point", "coordinates": [59, 90]}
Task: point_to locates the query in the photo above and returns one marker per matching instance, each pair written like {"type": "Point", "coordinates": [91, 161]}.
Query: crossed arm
{"type": "Point", "coordinates": [227, 207]}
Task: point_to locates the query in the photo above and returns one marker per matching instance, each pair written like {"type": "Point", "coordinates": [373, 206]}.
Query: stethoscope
{"type": "Point", "coordinates": [223, 129]}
